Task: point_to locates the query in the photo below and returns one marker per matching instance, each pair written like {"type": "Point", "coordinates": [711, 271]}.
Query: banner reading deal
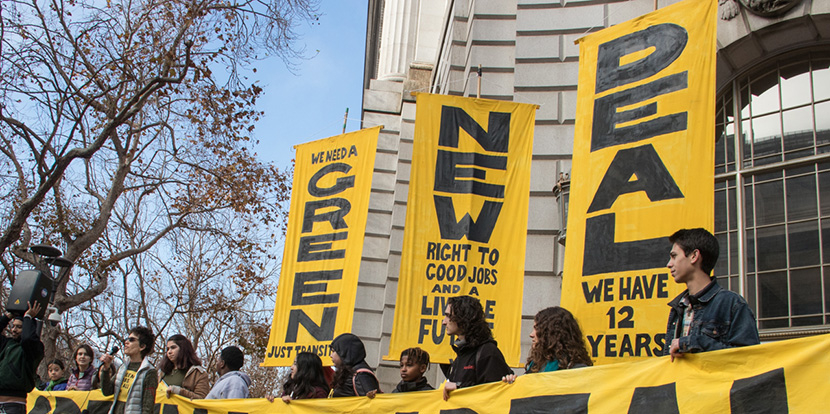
{"type": "Point", "coordinates": [787, 376]}
{"type": "Point", "coordinates": [466, 220]}
{"type": "Point", "coordinates": [643, 167]}
{"type": "Point", "coordinates": [323, 246]}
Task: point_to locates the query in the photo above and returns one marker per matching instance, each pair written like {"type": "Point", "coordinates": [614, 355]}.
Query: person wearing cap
{"type": "Point", "coordinates": [20, 355]}
{"type": "Point", "coordinates": [232, 382]}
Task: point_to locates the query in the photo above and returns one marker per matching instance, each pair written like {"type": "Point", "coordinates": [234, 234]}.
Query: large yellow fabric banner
{"type": "Point", "coordinates": [323, 247]}
{"type": "Point", "coordinates": [466, 220]}
{"type": "Point", "coordinates": [643, 167]}
{"type": "Point", "coordinates": [786, 376]}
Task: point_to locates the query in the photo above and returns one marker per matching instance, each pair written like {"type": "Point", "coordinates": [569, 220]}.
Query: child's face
{"type": "Point", "coordinates": [410, 371]}
{"type": "Point", "coordinates": [55, 372]}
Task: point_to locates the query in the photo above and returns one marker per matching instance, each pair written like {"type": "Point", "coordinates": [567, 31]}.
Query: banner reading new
{"type": "Point", "coordinates": [466, 220]}
{"type": "Point", "coordinates": [643, 167]}
{"type": "Point", "coordinates": [323, 246]}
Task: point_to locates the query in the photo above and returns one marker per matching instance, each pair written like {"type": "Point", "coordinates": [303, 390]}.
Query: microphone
{"type": "Point", "coordinates": [114, 350]}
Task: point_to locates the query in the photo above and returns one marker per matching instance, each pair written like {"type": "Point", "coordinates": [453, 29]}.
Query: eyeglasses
{"type": "Point", "coordinates": [131, 339]}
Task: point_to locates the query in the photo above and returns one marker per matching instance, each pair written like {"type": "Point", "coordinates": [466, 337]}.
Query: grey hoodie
{"type": "Point", "coordinates": [234, 384]}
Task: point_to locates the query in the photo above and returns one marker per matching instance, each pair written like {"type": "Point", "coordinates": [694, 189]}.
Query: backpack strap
{"type": "Point", "coordinates": [369, 371]}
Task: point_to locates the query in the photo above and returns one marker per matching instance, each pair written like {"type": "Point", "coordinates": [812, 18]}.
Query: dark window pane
{"type": "Point", "coordinates": [733, 206]}
{"type": "Point", "coordinates": [827, 289]}
{"type": "Point", "coordinates": [735, 284]}
{"type": "Point", "coordinates": [824, 192]}
{"type": "Point", "coordinates": [798, 128]}
{"type": "Point", "coordinates": [720, 211]}
{"type": "Point", "coordinates": [801, 197]}
{"type": "Point", "coordinates": [804, 244]}
{"type": "Point", "coordinates": [746, 127]}
{"type": "Point", "coordinates": [773, 294]}
{"type": "Point", "coordinates": [773, 323]}
{"type": "Point", "coordinates": [751, 288]}
{"type": "Point", "coordinates": [808, 321]}
{"type": "Point", "coordinates": [823, 123]}
{"type": "Point", "coordinates": [772, 248]}
{"type": "Point", "coordinates": [805, 291]}
{"type": "Point", "coordinates": [795, 85]}
{"type": "Point", "coordinates": [750, 251]}
{"type": "Point", "coordinates": [721, 266]}
{"type": "Point", "coordinates": [825, 237]}
{"type": "Point", "coordinates": [734, 254]}
{"type": "Point", "coordinates": [764, 90]}
{"type": "Point", "coordinates": [749, 206]}
{"type": "Point", "coordinates": [769, 203]}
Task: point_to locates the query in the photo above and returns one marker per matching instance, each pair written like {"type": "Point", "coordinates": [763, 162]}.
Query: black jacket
{"type": "Point", "coordinates": [19, 359]}
{"type": "Point", "coordinates": [352, 353]}
{"type": "Point", "coordinates": [477, 364]}
{"type": "Point", "coordinates": [407, 386]}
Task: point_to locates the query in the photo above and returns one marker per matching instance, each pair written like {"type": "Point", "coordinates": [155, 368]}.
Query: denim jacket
{"type": "Point", "coordinates": [722, 319]}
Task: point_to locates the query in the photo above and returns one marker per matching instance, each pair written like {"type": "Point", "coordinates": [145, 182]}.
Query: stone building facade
{"type": "Point", "coordinates": [773, 138]}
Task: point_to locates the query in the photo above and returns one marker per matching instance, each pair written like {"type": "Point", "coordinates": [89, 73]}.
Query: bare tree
{"type": "Point", "coordinates": [116, 131]}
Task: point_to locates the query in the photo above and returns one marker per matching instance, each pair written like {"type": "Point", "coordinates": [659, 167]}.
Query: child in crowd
{"type": "Point", "coordinates": [307, 379]}
{"type": "Point", "coordinates": [353, 377]}
{"type": "Point", "coordinates": [414, 363]}
{"type": "Point", "coordinates": [57, 382]}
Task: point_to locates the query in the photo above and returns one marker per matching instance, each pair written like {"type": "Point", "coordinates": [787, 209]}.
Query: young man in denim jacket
{"type": "Point", "coordinates": [704, 317]}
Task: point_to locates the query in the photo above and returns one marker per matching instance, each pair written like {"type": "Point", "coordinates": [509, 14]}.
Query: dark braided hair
{"type": "Point", "coordinates": [558, 338]}
{"type": "Point", "coordinates": [416, 356]}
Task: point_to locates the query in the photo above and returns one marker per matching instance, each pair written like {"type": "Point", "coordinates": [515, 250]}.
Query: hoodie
{"type": "Point", "coordinates": [233, 384]}
{"type": "Point", "coordinates": [477, 364]}
{"type": "Point", "coordinates": [352, 354]}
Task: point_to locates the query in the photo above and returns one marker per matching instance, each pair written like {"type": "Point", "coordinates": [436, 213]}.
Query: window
{"type": "Point", "coordinates": [772, 190]}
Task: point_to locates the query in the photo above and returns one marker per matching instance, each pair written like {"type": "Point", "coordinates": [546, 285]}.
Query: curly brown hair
{"type": "Point", "coordinates": [558, 338]}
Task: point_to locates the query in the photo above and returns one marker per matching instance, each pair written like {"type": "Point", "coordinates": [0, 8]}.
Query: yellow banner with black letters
{"type": "Point", "coordinates": [323, 245]}
{"type": "Point", "coordinates": [780, 377]}
{"type": "Point", "coordinates": [643, 168]}
{"type": "Point", "coordinates": [466, 220]}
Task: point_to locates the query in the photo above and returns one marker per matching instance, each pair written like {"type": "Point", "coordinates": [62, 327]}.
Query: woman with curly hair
{"type": "Point", "coordinates": [556, 343]}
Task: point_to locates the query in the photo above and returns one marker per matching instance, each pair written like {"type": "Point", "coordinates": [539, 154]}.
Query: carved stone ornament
{"type": "Point", "coordinates": [766, 8]}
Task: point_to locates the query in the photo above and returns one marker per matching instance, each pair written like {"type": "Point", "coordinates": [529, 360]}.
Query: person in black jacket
{"type": "Point", "coordinates": [19, 357]}
{"type": "Point", "coordinates": [414, 363]}
{"type": "Point", "coordinates": [478, 358]}
{"type": "Point", "coordinates": [354, 377]}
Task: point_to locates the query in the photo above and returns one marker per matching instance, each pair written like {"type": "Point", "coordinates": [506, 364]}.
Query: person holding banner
{"type": "Point", "coordinates": [556, 343]}
{"type": "Point", "coordinates": [182, 370]}
{"type": "Point", "coordinates": [307, 379]}
{"type": "Point", "coordinates": [479, 359]}
{"type": "Point", "coordinates": [354, 377]}
{"type": "Point", "coordinates": [704, 317]}
{"type": "Point", "coordinates": [414, 363]}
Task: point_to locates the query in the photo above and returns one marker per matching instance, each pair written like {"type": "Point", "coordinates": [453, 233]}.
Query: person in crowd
{"type": "Point", "coordinates": [556, 342]}
{"type": "Point", "coordinates": [57, 381]}
{"type": "Point", "coordinates": [307, 379]}
{"type": "Point", "coordinates": [414, 363]}
{"type": "Point", "coordinates": [704, 317]}
{"type": "Point", "coordinates": [353, 376]}
{"type": "Point", "coordinates": [182, 370]}
{"type": "Point", "coordinates": [134, 387]}
{"type": "Point", "coordinates": [479, 359]}
{"type": "Point", "coordinates": [82, 377]}
{"type": "Point", "coordinates": [232, 382]}
{"type": "Point", "coordinates": [20, 355]}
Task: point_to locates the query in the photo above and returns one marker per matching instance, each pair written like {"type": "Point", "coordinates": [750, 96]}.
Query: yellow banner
{"type": "Point", "coordinates": [786, 376]}
{"type": "Point", "coordinates": [466, 220]}
{"type": "Point", "coordinates": [323, 246]}
{"type": "Point", "coordinates": [643, 167]}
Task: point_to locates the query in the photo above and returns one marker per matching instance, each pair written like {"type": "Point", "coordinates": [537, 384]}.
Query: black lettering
{"type": "Point", "coordinates": [315, 158]}
{"type": "Point", "coordinates": [603, 255]}
{"type": "Point", "coordinates": [569, 403]}
{"type": "Point", "coordinates": [659, 399]}
{"type": "Point", "coordinates": [318, 247]}
{"type": "Point", "coordinates": [625, 346]}
{"type": "Point", "coordinates": [652, 177]}
{"type": "Point", "coordinates": [335, 217]}
{"type": "Point", "coordinates": [169, 409]}
{"type": "Point", "coordinates": [447, 172]}
{"type": "Point", "coordinates": [660, 341]}
{"type": "Point", "coordinates": [594, 342]}
{"type": "Point", "coordinates": [610, 345]}
{"type": "Point", "coordinates": [302, 287]}
{"type": "Point", "coordinates": [322, 332]}
{"type": "Point", "coordinates": [642, 342]}
{"type": "Point", "coordinates": [341, 184]}
{"type": "Point", "coordinates": [765, 393]}
{"type": "Point", "coordinates": [668, 40]}
{"type": "Point", "coordinates": [479, 230]}
{"type": "Point", "coordinates": [592, 294]}
{"type": "Point", "coordinates": [495, 139]}
{"type": "Point", "coordinates": [662, 285]}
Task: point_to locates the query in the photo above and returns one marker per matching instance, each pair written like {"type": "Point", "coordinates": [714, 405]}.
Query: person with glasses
{"type": "Point", "coordinates": [20, 354]}
{"type": "Point", "coordinates": [134, 388]}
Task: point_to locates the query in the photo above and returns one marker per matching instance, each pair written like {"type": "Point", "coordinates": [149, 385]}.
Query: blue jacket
{"type": "Point", "coordinates": [722, 319]}
{"type": "Point", "coordinates": [233, 384]}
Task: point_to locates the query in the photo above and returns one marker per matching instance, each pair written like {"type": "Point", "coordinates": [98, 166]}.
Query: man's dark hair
{"type": "Point", "coordinates": [467, 313]}
{"type": "Point", "coordinates": [701, 240]}
{"type": "Point", "coordinates": [233, 357]}
{"type": "Point", "coordinates": [146, 338]}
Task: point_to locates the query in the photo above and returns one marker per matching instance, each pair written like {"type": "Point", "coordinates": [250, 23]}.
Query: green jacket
{"type": "Point", "coordinates": [19, 359]}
